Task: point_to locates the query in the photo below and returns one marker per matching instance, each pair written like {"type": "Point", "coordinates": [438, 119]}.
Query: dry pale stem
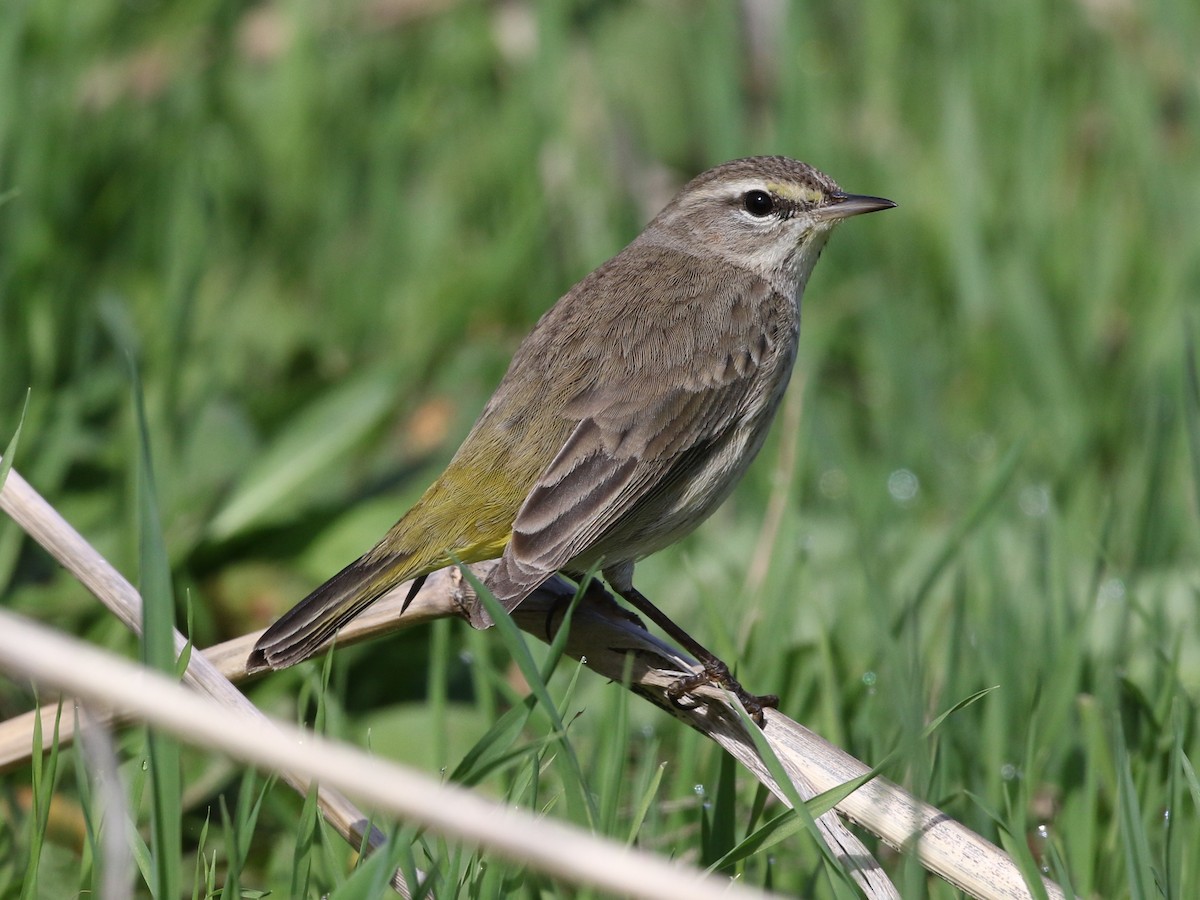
{"type": "Point", "coordinates": [604, 637]}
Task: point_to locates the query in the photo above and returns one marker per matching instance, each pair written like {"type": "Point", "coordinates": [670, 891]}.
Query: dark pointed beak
{"type": "Point", "coordinates": [843, 206]}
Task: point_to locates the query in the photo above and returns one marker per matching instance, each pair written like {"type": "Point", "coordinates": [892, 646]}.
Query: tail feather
{"type": "Point", "coordinates": [510, 582]}
{"type": "Point", "coordinates": [310, 624]}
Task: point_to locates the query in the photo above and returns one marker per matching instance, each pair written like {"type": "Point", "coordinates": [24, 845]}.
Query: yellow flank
{"type": "Point", "coordinates": [489, 548]}
{"type": "Point", "coordinates": [435, 533]}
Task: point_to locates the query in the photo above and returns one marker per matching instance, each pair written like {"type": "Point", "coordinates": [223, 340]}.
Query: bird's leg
{"type": "Point", "coordinates": [715, 671]}
{"type": "Point", "coordinates": [597, 593]}
{"type": "Point", "coordinates": [594, 592]}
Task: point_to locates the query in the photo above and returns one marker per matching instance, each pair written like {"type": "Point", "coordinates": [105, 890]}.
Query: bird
{"type": "Point", "coordinates": [626, 416]}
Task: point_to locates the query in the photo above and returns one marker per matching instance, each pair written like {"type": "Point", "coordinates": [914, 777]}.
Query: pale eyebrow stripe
{"type": "Point", "coordinates": [789, 191]}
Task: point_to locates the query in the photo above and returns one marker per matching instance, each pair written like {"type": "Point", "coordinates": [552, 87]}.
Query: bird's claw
{"type": "Point", "coordinates": [716, 672]}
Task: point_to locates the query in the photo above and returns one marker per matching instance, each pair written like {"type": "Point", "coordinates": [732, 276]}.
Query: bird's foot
{"type": "Point", "coordinates": [716, 672]}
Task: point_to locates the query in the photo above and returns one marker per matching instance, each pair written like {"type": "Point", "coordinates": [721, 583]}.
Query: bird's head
{"type": "Point", "coordinates": [769, 214]}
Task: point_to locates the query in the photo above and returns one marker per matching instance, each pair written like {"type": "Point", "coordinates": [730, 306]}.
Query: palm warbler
{"type": "Point", "coordinates": [626, 416]}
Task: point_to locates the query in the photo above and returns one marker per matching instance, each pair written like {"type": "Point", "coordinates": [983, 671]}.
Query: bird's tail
{"type": "Point", "coordinates": [308, 626]}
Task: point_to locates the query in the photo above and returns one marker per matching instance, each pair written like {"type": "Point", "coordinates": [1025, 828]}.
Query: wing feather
{"type": "Point", "coordinates": [694, 378]}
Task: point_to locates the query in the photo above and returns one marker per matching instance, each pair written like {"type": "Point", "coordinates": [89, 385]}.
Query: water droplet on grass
{"type": "Point", "coordinates": [903, 485]}
{"type": "Point", "coordinates": [1034, 501]}
{"type": "Point", "coordinates": [833, 483]}
{"type": "Point", "coordinates": [1112, 590]}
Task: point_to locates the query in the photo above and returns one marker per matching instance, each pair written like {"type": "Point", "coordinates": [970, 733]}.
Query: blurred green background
{"type": "Point", "coordinates": [319, 230]}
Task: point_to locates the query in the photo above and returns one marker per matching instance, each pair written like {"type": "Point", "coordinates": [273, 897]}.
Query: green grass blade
{"type": "Point", "coordinates": [493, 747]}
{"type": "Point", "coordinates": [158, 652]}
{"type": "Point", "coordinates": [1191, 408]}
{"type": "Point", "coordinates": [311, 443]}
{"type": "Point", "coordinates": [10, 451]}
{"type": "Point", "coordinates": [827, 800]}
{"type": "Point", "coordinates": [799, 805]}
{"type": "Point", "coordinates": [239, 831]}
{"type": "Point", "coordinates": [644, 803]}
{"type": "Point", "coordinates": [1131, 828]}
{"type": "Point", "coordinates": [952, 546]}
{"type": "Point", "coordinates": [201, 874]}
{"type": "Point", "coordinates": [11, 537]}
{"type": "Point", "coordinates": [44, 775]}
{"type": "Point", "coordinates": [1174, 844]}
{"type": "Point", "coordinates": [305, 834]}
{"type": "Point", "coordinates": [580, 801]}
{"type": "Point", "coordinates": [767, 835]}
{"type": "Point", "coordinates": [718, 837]}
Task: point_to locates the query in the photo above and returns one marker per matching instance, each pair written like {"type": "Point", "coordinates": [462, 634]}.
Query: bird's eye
{"type": "Point", "coordinates": [758, 203]}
